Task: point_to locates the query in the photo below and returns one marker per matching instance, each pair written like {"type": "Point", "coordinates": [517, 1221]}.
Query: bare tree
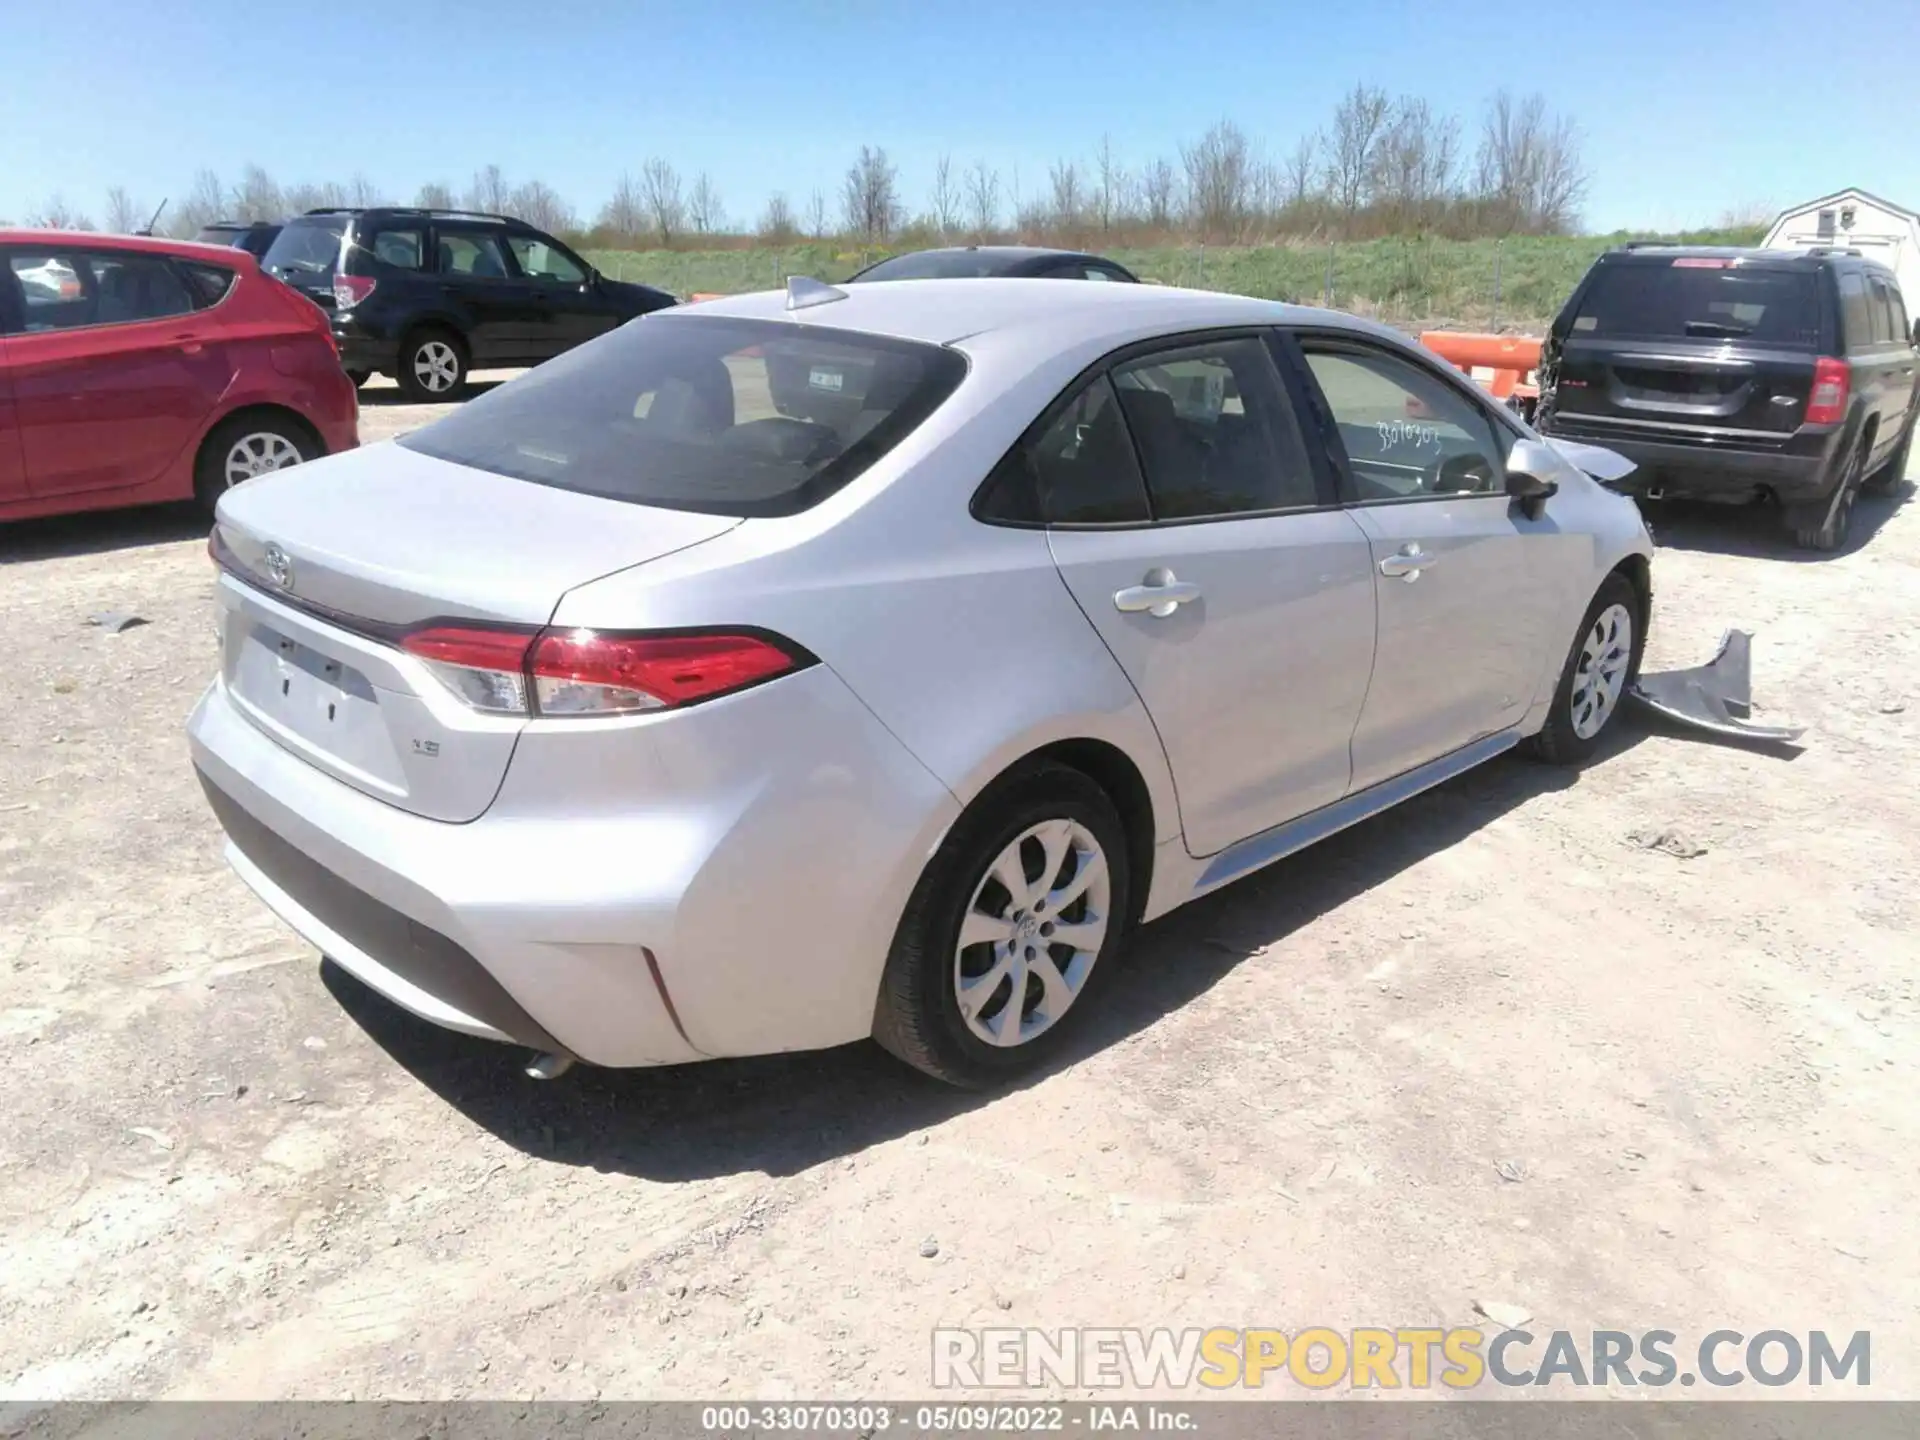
{"type": "Point", "coordinates": [300, 198]}
{"type": "Point", "coordinates": [1530, 169]}
{"type": "Point", "coordinates": [56, 214]}
{"type": "Point", "coordinates": [1218, 169]}
{"type": "Point", "coordinates": [946, 196]}
{"type": "Point", "coordinates": [257, 197]}
{"type": "Point", "coordinates": [1353, 148]}
{"type": "Point", "coordinates": [1157, 182]}
{"type": "Point", "coordinates": [777, 223]}
{"type": "Point", "coordinates": [660, 194]}
{"type": "Point", "coordinates": [124, 214]}
{"type": "Point", "coordinates": [362, 192]}
{"type": "Point", "coordinates": [1302, 169]}
{"type": "Point", "coordinates": [817, 214]}
{"type": "Point", "coordinates": [434, 195]}
{"type": "Point", "coordinates": [704, 209]}
{"type": "Point", "coordinates": [983, 199]}
{"type": "Point", "coordinates": [625, 213]}
{"type": "Point", "coordinates": [489, 191]}
{"type": "Point", "coordinates": [1109, 184]}
{"type": "Point", "coordinates": [1069, 203]}
{"type": "Point", "coordinates": [869, 198]}
{"type": "Point", "coordinates": [540, 205]}
{"type": "Point", "coordinates": [203, 205]}
{"type": "Point", "coordinates": [1414, 163]}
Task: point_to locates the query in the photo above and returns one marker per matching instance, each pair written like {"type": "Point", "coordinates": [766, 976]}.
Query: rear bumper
{"type": "Point", "coordinates": [1797, 470]}
{"type": "Point", "coordinates": [592, 909]}
{"type": "Point", "coordinates": [361, 351]}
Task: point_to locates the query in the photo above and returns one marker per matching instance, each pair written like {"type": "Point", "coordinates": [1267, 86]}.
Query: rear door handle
{"type": "Point", "coordinates": [1159, 594]}
{"type": "Point", "coordinates": [187, 345]}
{"type": "Point", "coordinates": [1407, 563]}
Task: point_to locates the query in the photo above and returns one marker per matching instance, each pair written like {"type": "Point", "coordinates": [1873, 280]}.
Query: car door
{"type": "Point", "coordinates": [113, 374]}
{"type": "Point", "coordinates": [13, 464]}
{"type": "Point", "coordinates": [503, 318]}
{"type": "Point", "coordinates": [573, 311]}
{"type": "Point", "coordinates": [1461, 575]}
{"type": "Point", "coordinates": [1893, 366]}
{"type": "Point", "coordinates": [1209, 552]}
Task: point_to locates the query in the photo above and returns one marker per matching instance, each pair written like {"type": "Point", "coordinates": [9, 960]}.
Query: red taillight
{"type": "Point", "coordinates": [1832, 379]}
{"type": "Point", "coordinates": [584, 672]}
{"type": "Point", "coordinates": [350, 290]}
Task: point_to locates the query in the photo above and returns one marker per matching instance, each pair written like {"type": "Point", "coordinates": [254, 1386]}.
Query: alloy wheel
{"type": "Point", "coordinates": [436, 366]}
{"type": "Point", "coordinates": [1032, 932]}
{"type": "Point", "coordinates": [1600, 677]}
{"type": "Point", "coordinates": [260, 453]}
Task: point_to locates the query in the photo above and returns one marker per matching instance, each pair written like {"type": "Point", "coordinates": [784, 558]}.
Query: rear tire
{"type": "Point", "coordinates": [359, 377]}
{"type": "Point", "coordinates": [433, 366]}
{"type": "Point", "coordinates": [1822, 526]}
{"type": "Point", "coordinates": [1043, 938]}
{"type": "Point", "coordinates": [1884, 480]}
{"type": "Point", "coordinates": [245, 446]}
{"type": "Point", "coordinates": [1600, 670]}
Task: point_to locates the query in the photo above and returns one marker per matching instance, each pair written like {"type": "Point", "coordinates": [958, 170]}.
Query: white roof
{"type": "Point", "coordinates": [1853, 193]}
{"type": "Point", "coordinates": [1068, 312]}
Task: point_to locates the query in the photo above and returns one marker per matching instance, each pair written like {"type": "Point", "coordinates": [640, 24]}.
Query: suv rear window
{"type": "Point", "coordinates": [1701, 299]}
{"type": "Point", "coordinates": [306, 247]}
{"type": "Point", "coordinates": [725, 417]}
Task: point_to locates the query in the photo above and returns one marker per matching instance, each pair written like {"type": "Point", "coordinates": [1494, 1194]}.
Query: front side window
{"type": "Point", "coordinates": [1215, 432]}
{"type": "Point", "coordinates": [69, 289]}
{"type": "Point", "coordinates": [540, 261]}
{"type": "Point", "coordinates": [471, 253]}
{"type": "Point", "coordinates": [720, 416]}
{"type": "Point", "coordinates": [1884, 330]}
{"type": "Point", "coordinates": [1408, 433]}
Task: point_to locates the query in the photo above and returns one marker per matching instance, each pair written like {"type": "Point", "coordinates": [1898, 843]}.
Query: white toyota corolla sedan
{"type": "Point", "coordinates": [807, 666]}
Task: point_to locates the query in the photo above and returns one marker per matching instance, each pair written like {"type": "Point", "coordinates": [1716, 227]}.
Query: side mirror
{"type": "Point", "coordinates": [1530, 471]}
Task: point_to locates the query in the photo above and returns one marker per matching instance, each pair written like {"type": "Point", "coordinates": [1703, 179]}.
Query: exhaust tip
{"type": "Point", "coordinates": [548, 1066]}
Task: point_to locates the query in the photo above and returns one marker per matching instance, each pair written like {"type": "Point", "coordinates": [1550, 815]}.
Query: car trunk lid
{"type": "Point", "coordinates": [1692, 347]}
{"type": "Point", "coordinates": [330, 565]}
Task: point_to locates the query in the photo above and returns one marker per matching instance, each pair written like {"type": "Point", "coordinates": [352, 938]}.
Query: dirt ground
{"type": "Point", "coordinates": [1630, 1048]}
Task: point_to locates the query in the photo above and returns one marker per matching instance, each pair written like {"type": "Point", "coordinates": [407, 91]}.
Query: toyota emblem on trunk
{"type": "Point", "coordinates": [279, 567]}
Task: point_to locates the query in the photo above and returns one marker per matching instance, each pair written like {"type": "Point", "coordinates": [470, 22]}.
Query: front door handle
{"type": "Point", "coordinates": [1159, 594]}
{"type": "Point", "coordinates": [187, 345]}
{"type": "Point", "coordinates": [1408, 563]}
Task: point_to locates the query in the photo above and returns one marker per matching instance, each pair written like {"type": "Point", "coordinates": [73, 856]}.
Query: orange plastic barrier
{"type": "Point", "coordinates": [1512, 358]}
{"type": "Point", "coordinates": [699, 295]}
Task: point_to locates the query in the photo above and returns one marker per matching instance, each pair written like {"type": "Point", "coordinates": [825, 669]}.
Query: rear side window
{"type": "Point", "coordinates": [724, 417]}
{"type": "Point", "coordinates": [208, 284]}
{"type": "Point", "coordinates": [1700, 298]}
{"type": "Point", "coordinates": [72, 289]}
{"type": "Point", "coordinates": [1083, 466]}
{"type": "Point", "coordinates": [401, 247]}
{"type": "Point", "coordinates": [472, 253]}
{"type": "Point", "coordinates": [1856, 310]}
{"type": "Point", "coordinates": [1902, 329]}
{"type": "Point", "coordinates": [1215, 432]}
{"type": "Point", "coordinates": [306, 248]}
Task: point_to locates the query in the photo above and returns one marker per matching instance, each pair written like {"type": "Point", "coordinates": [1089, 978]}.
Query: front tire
{"type": "Point", "coordinates": [246, 446]}
{"type": "Point", "coordinates": [1014, 922]}
{"type": "Point", "coordinates": [433, 366]}
{"type": "Point", "coordinates": [1600, 669]}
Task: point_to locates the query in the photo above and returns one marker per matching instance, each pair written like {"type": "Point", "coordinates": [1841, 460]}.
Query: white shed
{"type": "Point", "coordinates": [1856, 220]}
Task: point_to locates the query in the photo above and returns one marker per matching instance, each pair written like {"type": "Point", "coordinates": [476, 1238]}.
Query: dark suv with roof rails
{"type": "Point", "coordinates": [427, 295]}
{"type": "Point", "coordinates": [1740, 375]}
{"type": "Point", "coordinates": [255, 237]}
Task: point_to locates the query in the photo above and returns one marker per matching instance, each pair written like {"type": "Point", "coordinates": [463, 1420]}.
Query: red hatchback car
{"type": "Point", "coordinates": [134, 371]}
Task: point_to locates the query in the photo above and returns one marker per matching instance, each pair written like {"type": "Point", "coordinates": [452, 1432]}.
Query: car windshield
{"type": "Point", "coordinates": [725, 417]}
{"type": "Point", "coordinates": [940, 265]}
{"type": "Point", "coordinates": [306, 247]}
{"type": "Point", "coordinates": [1701, 298]}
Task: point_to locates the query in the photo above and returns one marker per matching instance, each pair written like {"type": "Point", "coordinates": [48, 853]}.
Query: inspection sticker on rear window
{"type": "Point", "coordinates": [827, 380]}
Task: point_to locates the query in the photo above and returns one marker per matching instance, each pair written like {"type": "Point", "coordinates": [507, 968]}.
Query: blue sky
{"type": "Point", "coordinates": [1689, 108]}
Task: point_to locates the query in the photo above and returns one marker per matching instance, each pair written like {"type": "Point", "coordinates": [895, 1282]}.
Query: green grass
{"type": "Point", "coordinates": [1412, 280]}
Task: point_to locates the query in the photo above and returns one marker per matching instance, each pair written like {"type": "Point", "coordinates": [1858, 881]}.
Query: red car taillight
{"type": "Point", "coordinates": [585, 672]}
{"type": "Point", "coordinates": [350, 290]}
{"type": "Point", "coordinates": [1832, 379]}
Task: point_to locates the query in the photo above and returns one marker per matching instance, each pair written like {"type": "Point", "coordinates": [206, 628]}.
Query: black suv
{"type": "Point", "coordinates": [1739, 375]}
{"type": "Point", "coordinates": [423, 295]}
{"type": "Point", "coordinates": [255, 237]}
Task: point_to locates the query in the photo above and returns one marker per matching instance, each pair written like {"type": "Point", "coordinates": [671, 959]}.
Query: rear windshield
{"type": "Point", "coordinates": [306, 247]}
{"type": "Point", "coordinates": [1701, 299]}
{"type": "Point", "coordinates": [726, 417]}
{"type": "Point", "coordinates": [939, 265]}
